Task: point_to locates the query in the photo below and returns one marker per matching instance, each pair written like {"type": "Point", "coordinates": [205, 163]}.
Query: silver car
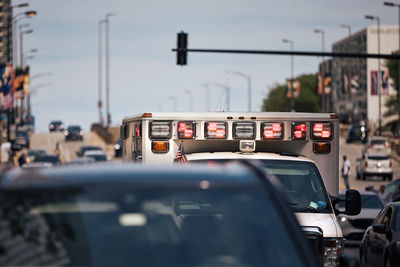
{"type": "Point", "coordinates": [374, 165]}
{"type": "Point", "coordinates": [353, 227]}
{"type": "Point", "coordinates": [377, 144]}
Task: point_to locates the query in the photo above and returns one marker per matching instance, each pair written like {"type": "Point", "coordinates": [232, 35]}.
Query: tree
{"type": "Point", "coordinates": [308, 100]}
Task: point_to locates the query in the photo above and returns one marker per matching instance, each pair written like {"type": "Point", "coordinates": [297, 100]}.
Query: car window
{"type": "Point", "coordinates": [378, 142]}
{"type": "Point", "coordinates": [391, 188]}
{"type": "Point", "coordinates": [142, 227]}
{"type": "Point", "coordinates": [379, 218]}
{"type": "Point", "coordinates": [21, 134]}
{"type": "Point", "coordinates": [378, 157]}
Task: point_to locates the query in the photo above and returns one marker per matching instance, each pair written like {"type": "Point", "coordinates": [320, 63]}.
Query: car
{"type": "Point", "coordinates": [97, 155]}
{"type": "Point", "coordinates": [372, 164]}
{"type": "Point", "coordinates": [357, 132]}
{"type": "Point", "coordinates": [353, 227]}
{"type": "Point", "coordinates": [81, 161]}
{"type": "Point", "coordinates": [85, 148]}
{"type": "Point", "coordinates": [37, 165]}
{"type": "Point", "coordinates": [380, 243]}
{"type": "Point", "coordinates": [117, 215]}
{"type": "Point", "coordinates": [74, 132]}
{"type": "Point", "coordinates": [56, 126]}
{"type": "Point", "coordinates": [21, 140]}
{"type": "Point", "coordinates": [377, 144]}
{"type": "Point", "coordinates": [32, 153]}
{"type": "Point", "coordinates": [118, 148]}
{"type": "Point", "coordinates": [49, 158]}
{"type": "Point", "coordinates": [393, 187]}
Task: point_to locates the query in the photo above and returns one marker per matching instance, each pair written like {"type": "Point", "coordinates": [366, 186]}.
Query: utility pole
{"type": "Point", "coordinates": [100, 101]}
{"type": "Point", "coordinates": [107, 21]}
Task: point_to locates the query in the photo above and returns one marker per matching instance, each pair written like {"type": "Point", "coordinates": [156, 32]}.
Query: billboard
{"type": "Point", "coordinates": [385, 82]}
{"type": "Point", "coordinates": [6, 86]}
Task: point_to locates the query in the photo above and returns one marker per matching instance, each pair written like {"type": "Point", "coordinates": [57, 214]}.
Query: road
{"type": "Point", "coordinates": [68, 149]}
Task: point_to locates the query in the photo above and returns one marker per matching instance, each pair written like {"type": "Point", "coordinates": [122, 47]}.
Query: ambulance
{"type": "Point", "coordinates": [300, 149]}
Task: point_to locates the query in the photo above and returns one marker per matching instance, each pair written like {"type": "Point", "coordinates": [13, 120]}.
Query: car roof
{"type": "Point", "coordinates": [94, 152]}
{"type": "Point", "coordinates": [362, 192]}
{"type": "Point", "coordinates": [174, 176]}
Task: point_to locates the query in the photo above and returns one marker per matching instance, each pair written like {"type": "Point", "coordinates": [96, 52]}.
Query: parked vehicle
{"type": "Point", "coordinates": [374, 165]}
{"type": "Point", "coordinates": [353, 227]}
{"type": "Point", "coordinates": [52, 159]}
{"type": "Point", "coordinates": [380, 244]}
{"type": "Point", "coordinates": [21, 140]}
{"type": "Point", "coordinates": [85, 148]}
{"type": "Point", "coordinates": [97, 155]}
{"type": "Point", "coordinates": [357, 132]}
{"type": "Point", "coordinates": [56, 126]}
{"type": "Point", "coordinates": [32, 153]}
{"type": "Point", "coordinates": [152, 216]}
{"type": "Point", "coordinates": [74, 132]}
{"type": "Point", "coordinates": [377, 144]}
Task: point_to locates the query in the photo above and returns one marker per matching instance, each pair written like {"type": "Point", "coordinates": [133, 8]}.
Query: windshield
{"type": "Point", "coordinates": [301, 182]}
{"type": "Point", "coordinates": [21, 134]}
{"type": "Point", "coordinates": [378, 157]}
{"type": "Point", "coordinates": [50, 159]}
{"type": "Point", "coordinates": [144, 227]}
{"type": "Point", "coordinates": [378, 142]}
{"type": "Point", "coordinates": [98, 157]}
{"type": "Point", "coordinates": [74, 128]}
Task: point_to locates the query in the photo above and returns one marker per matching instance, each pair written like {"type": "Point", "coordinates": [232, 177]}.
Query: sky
{"type": "Point", "coordinates": [144, 76]}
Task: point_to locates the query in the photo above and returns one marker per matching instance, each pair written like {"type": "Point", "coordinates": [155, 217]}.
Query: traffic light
{"type": "Point", "coordinates": [181, 58]}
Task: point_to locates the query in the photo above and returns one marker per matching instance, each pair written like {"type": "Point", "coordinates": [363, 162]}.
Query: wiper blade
{"type": "Point", "coordinates": [303, 207]}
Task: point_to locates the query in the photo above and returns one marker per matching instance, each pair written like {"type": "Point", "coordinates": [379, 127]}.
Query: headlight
{"type": "Point", "coordinates": [117, 146]}
{"type": "Point", "coordinates": [343, 219]}
{"type": "Point", "coordinates": [66, 133]}
{"type": "Point", "coordinates": [81, 133]}
{"type": "Point", "coordinates": [333, 249]}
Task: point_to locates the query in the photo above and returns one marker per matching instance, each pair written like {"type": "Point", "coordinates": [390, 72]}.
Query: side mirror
{"type": "Point", "coordinates": [352, 203]}
{"type": "Point", "coordinates": [379, 228]}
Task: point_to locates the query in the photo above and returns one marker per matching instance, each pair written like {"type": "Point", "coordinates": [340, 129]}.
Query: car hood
{"type": "Point", "coordinates": [364, 214]}
{"type": "Point", "coordinates": [326, 221]}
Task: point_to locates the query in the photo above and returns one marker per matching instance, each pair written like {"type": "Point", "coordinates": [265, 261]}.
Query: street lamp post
{"type": "Point", "coordinates": [398, 62]}
{"type": "Point", "coordinates": [291, 72]}
{"type": "Point", "coordinates": [100, 101]}
{"type": "Point", "coordinates": [349, 109]}
{"type": "Point", "coordinates": [189, 92]}
{"type": "Point", "coordinates": [323, 102]}
{"type": "Point", "coordinates": [107, 22]}
{"type": "Point", "coordinates": [379, 73]}
{"type": "Point", "coordinates": [248, 79]}
{"type": "Point", "coordinates": [16, 18]}
{"type": "Point", "coordinates": [34, 77]}
{"type": "Point", "coordinates": [11, 55]}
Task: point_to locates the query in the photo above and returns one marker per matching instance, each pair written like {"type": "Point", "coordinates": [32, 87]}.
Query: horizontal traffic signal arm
{"type": "Point", "coordinates": [295, 53]}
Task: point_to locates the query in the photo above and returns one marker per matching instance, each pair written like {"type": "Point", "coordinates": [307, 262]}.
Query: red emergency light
{"type": "Point", "coordinates": [299, 131]}
{"type": "Point", "coordinates": [186, 129]}
{"type": "Point", "coordinates": [321, 131]}
{"type": "Point", "coordinates": [272, 130]}
{"type": "Point", "coordinates": [215, 130]}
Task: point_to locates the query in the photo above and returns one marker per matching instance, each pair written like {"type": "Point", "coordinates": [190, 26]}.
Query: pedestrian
{"type": "Point", "coordinates": [346, 171]}
{"type": "Point", "coordinates": [21, 159]}
{"type": "Point", "coordinates": [370, 187]}
{"type": "Point", "coordinates": [384, 196]}
{"type": "Point", "coordinates": [396, 196]}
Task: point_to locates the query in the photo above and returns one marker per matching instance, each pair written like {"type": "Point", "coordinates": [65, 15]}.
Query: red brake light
{"type": "Point", "coordinates": [366, 164]}
{"type": "Point", "coordinates": [321, 131]}
{"type": "Point", "coordinates": [299, 131]}
{"type": "Point", "coordinates": [387, 145]}
{"type": "Point", "coordinates": [186, 130]}
{"type": "Point", "coordinates": [272, 130]}
{"type": "Point", "coordinates": [215, 130]}
{"type": "Point", "coordinates": [390, 163]}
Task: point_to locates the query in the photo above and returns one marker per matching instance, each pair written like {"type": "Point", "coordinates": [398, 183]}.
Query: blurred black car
{"type": "Point", "coordinates": [118, 148]}
{"type": "Point", "coordinates": [21, 140]}
{"type": "Point", "coordinates": [53, 159]}
{"type": "Point", "coordinates": [124, 215]}
{"type": "Point", "coordinates": [85, 148]}
{"type": "Point", "coordinates": [357, 132]}
{"type": "Point", "coordinates": [32, 153]}
{"type": "Point", "coordinates": [74, 132]}
{"type": "Point", "coordinates": [56, 126]}
{"type": "Point", "coordinates": [379, 246]}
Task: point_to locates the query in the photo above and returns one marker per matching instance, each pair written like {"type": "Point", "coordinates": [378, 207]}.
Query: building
{"type": "Point", "coordinates": [5, 31]}
{"type": "Point", "coordinates": [354, 80]}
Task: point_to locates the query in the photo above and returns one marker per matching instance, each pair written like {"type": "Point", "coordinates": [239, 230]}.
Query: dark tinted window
{"type": "Point", "coordinates": [21, 134]}
{"type": "Point", "coordinates": [378, 142]}
{"type": "Point", "coordinates": [74, 128]}
{"type": "Point", "coordinates": [122, 225]}
{"type": "Point", "coordinates": [47, 158]}
{"type": "Point", "coordinates": [378, 157]}
{"type": "Point", "coordinates": [98, 157]}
